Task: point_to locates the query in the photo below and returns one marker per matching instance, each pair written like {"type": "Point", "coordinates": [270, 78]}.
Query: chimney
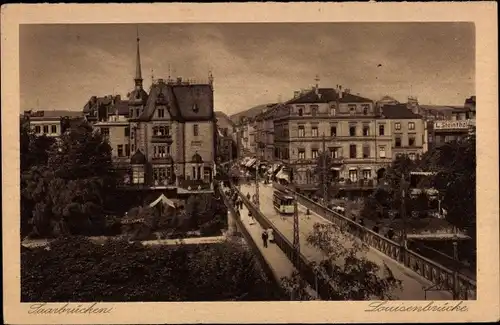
{"type": "Point", "coordinates": [179, 80]}
{"type": "Point", "coordinates": [296, 94]}
{"type": "Point", "coordinates": [341, 93]}
{"type": "Point", "coordinates": [347, 91]}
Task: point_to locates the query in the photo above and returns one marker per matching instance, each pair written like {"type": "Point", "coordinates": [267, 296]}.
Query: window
{"type": "Point", "coordinates": [381, 151]}
{"type": "Point", "coordinates": [132, 134]}
{"type": "Point", "coordinates": [365, 109]}
{"type": "Point", "coordinates": [352, 151]}
{"type": "Point", "coordinates": [314, 153]}
{"type": "Point", "coordinates": [352, 109]}
{"type": "Point", "coordinates": [53, 129]}
{"type": "Point", "coordinates": [161, 130]}
{"type": "Point", "coordinates": [127, 150]}
{"type": "Point", "coordinates": [120, 150]}
{"type": "Point", "coordinates": [366, 130]}
{"type": "Point", "coordinates": [302, 154]}
{"type": "Point", "coordinates": [411, 125]}
{"type": "Point", "coordinates": [105, 132]}
{"type": "Point", "coordinates": [301, 131]}
{"type": "Point", "coordinates": [195, 130]}
{"type": "Point", "coordinates": [335, 153]}
{"type": "Point", "coordinates": [366, 151]}
{"type": "Point", "coordinates": [333, 110]}
{"type": "Point", "coordinates": [160, 176]}
{"type": "Point", "coordinates": [160, 151]}
{"type": "Point", "coordinates": [352, 131]}
{"type": "Point", "coordinates": [38, 129]}
{"type": "Point", "coordinates": [398, 142]}
{"type": "Point", "coordinates": [137, 112]}
{"type": "Point", "coordinates": [314, 131]}
{"type": "Point", "coordinates": [206, 174]}
{"type": "Point", "coordinates": [411, 141]}
{"type": "Point", "coordinates": [397, 126]}
{"type": "Point", "coordinates": [45, 129]}
{"type": "Point", "coordinates": [193, 172]}
{"type": "Point", "coordinates": [132, 148]}
{"type": "Point", "coordinates": [314, 110]}
{"type": "Point", "coordinates": [300, 110]}
{"type": "Point", "coordinates": [353, 175]}
{"type": "Point", "coordinates": [367, 173]}
{"type": "Point", "coordinates": [138, 175]}
{"type": "Point", "coordinates": [381, 129]}
{"type": "Point", "coordinates": [127, 131]}
{"type": "Point", "coordinates": [333, 131]}
{"type": "Point", "coordinates": [161, 112]}
{"type": "Point", "coordinates": [412, 155]}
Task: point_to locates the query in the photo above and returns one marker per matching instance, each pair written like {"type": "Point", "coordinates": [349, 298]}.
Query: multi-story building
{"type": "Point", "coordinates": [449, 123]}
{"type": "Point", "coordinates": [246, 131]}
{"type": "Point", "coordinates": [409, 131]}
{"type": "Point", "coordinates": [162, 140]}
{"type": "Point", "coordinates": [49, 123]}
{"type": "Point", "coordinates": [265, 133]}
{"type": "Point", "coordinates": [347, 125]}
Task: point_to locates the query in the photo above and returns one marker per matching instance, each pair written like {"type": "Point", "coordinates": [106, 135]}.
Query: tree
{"type": "Point", "coordinates": [70, 184]}
{"type": "Point", "coordinates": [203, 208]}
{"type": "Point", "coordinates": [351, 274]}
{"type": "Point", "coordinates": [323, 173]}
{"type": "Point", "coordinates": [77, 270]}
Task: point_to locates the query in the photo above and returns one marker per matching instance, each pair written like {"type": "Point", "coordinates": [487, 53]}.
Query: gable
{"type": "Point", "coordinates": [194, 102]}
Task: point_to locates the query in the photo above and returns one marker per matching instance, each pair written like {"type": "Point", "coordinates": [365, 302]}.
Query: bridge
{"type": "Point", "coordinates": [420, 277]}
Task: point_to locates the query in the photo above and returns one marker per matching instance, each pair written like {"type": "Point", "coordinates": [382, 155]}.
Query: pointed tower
{"type": "Point", "coordinates": [138, 72]}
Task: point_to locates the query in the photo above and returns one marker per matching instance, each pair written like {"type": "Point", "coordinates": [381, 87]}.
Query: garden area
{"type": "Point", "coordinates": [75, 269]}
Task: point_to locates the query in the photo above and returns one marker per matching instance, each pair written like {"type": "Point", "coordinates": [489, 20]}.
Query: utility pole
{"type": "Point", "coordinates": [257, 197]}
{"type": "Point", "coordinates": [403, 218]}
{"type": "Point", "coordinates": [296, 238]}
{"type": "Point", "coordinates": [324, 174]}
{"type": "Point", "coordinates": [456, 294]}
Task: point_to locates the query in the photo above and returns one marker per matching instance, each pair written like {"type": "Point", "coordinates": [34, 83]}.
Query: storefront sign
{"type": "Point", "coordinates": [446, 125]}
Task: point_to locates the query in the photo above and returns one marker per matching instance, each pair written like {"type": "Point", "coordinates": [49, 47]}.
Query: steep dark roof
{"type": "Point", "coordinates": [327, 95]}
{"type": "Point", "coordinates": [122, 106]}
{"type": "Point", "coordinates": [138, 158]}
{"type": "Point", "coordinates": [184, 102]}
{"type": "Point", "coordinates": [138, 96]}
{"type": "Point", "coordinates": [399, 111]}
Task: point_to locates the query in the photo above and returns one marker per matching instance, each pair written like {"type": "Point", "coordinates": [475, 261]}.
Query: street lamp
{"type": "Point", "coordinates": [257, 197]}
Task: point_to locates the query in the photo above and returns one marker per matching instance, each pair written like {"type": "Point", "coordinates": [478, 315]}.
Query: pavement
{"type": "Point", "coordinates": [412, 283]}
{"type": "Point", "coordinates": [274, 256]}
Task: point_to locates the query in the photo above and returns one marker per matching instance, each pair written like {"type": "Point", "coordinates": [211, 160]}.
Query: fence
{"type": "Point", "coordinates": [317, 279]}
{"type": "Point", "coordinates": [442, 277]}
{"type": "Point", "coordinates": [260, 258]}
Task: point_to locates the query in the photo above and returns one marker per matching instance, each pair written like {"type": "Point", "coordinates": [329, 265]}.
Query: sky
{"type": "Point", "coordinates": [62, 66]}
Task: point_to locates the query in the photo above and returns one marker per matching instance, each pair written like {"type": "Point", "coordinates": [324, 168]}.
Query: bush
{"type": "Point", "coordinates": [77, 270]}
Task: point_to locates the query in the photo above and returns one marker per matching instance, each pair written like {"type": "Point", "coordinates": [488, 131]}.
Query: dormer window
{"type": "Point", "coordinates": [195, 108]}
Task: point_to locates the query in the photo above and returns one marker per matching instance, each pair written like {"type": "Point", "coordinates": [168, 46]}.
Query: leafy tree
{"type": "Point", "coordinates": [351, 274]}
{"type": "Point", "coordinates": [203, 208]}
{"type": "Point", "coordinates": [69, 185]}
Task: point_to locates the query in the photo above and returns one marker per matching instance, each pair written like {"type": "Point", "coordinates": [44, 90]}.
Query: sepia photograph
{"type": "Point", "coordinates": [248, 162]}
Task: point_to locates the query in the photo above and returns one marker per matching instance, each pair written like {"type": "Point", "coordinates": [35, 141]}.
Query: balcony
{"type": "Point", "coordinates": [163, 138]}
{"type": "Point", "coordinates": [186, 186]}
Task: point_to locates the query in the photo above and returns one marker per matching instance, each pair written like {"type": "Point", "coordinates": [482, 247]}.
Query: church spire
{"type": "Point", "coordinates": [138, 73]}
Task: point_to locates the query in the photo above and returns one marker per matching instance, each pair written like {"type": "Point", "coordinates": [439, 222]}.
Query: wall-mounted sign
{"type": "Point", "coordinates": [446, 125]}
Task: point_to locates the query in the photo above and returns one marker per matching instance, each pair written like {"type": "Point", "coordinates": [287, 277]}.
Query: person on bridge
{"type": "Point", "coordinates": [248, 196]}
{"type": "Point", "coordinates": [390, 233]}
{"type": "Point", "coordinates": [265, 236]}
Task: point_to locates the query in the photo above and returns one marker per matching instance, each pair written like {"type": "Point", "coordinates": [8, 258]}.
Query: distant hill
{"type": "Point", "coordinates": [249, 113]}
{"type": "Point", "coordinates": [223, 121]}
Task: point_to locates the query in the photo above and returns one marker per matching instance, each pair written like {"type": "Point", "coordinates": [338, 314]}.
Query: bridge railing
{"type": "Point", "coordinates": [317, 279]}
{"type": "Point", "coordinates": [441, 276]}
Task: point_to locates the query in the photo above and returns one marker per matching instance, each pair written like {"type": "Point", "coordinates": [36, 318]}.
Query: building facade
{"type": "Point", "coordinates": [264, 130]}
{"type": "Point", "coordinates": [164, 139]}
{"type": "Point", "coordinates": [409, 131]}
{"type": "Point", "coordinates": [346, 125]}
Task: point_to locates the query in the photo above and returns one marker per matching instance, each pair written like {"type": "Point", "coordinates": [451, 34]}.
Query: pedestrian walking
{"type": "Point", "coordinates": [390, 233]}
{"type": "Point", "coordinates": [265, 236]}
{"type": "Point", "coordinates": [248, 196]}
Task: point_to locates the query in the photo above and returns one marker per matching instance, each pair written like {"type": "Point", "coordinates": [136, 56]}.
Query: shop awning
{"type": "Point", "coordinates": [251, 162]}
{"type": "Point", "coordinates": [353, 168]}
{"type": "Point", "coordinates": [335, 168]}
{"type": "Point", "coordinates": [283, 175]}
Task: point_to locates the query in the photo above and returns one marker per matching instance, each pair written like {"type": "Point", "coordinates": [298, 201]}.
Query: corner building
{"type": "Point", "coordinates": [347, 125]}
{"type": "Point", "coordinates": [161, 140]}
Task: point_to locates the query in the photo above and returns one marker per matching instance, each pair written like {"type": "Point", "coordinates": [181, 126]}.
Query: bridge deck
{"type": "Point", "coordinates": [412, 283]}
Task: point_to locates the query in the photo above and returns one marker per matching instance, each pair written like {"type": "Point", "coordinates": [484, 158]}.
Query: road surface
{"type": "Point", "coordinates": [412, 283]}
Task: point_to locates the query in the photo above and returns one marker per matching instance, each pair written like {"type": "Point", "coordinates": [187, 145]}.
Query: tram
{"type": "Point", "coordinates": [283, 203]}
